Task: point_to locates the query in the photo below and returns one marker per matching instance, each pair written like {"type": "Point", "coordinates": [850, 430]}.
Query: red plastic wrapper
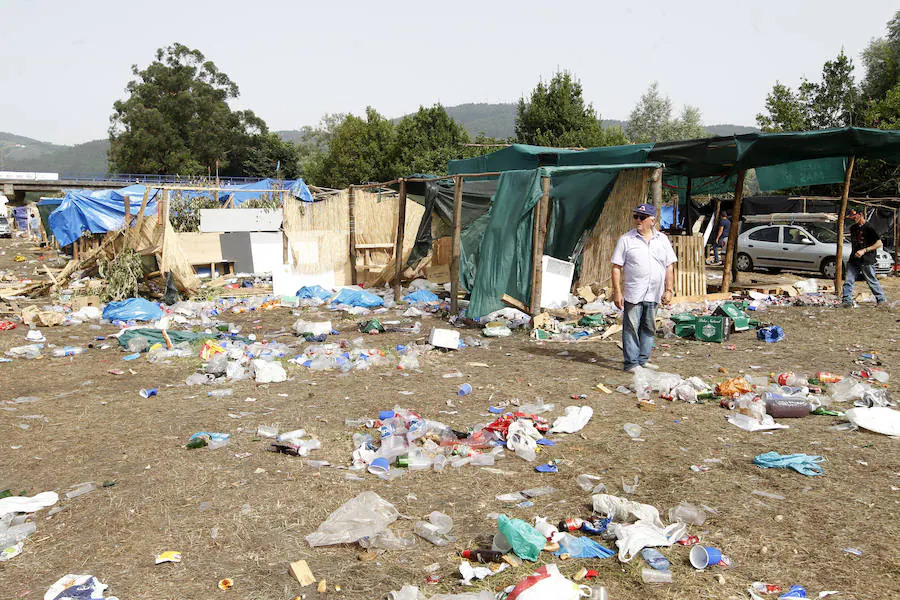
{"type": "Point", "coordinates": [7, 325]}
{"type": "Point", "coordinates": [688, 541]}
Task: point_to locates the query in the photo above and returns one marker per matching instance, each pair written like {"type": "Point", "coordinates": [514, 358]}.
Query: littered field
{"type": "Point", "coordinates": [241, 512]}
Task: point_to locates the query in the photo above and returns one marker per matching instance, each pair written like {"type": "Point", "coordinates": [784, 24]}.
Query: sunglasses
{"type": "Point", "coordinates": [641, 217]}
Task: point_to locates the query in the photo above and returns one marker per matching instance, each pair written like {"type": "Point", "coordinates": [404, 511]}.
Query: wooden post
{"type": "Point", "coordinates": [455, 243]}
{"type": "Point", "coordinates": [656, 194]}
{"type": "Point", "coordinates": [687, 206]}
{"type": "Point", "coordinates": [733, 234]}
{"type": "Point", "coordinates": [839, 261]}
{"type": "Point", "coordinates": [351, 211]}
{"type": "Point", "coordinates": [896, 244]}
{"type": "Point", "coordinates": [539, 236]}
{"type": "Point", "coordinates": [127, 217]}
{"type": "Point", "coordinates": [398, 242]}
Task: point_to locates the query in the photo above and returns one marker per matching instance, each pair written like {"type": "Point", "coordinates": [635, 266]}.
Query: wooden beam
{"type": "Point", "coordinates": [839, 261]}
{"type": "Point", "coordinates": [455, 244]}
{"type": "Point", "coordinates": [398, 241]}
{"type": "Point", "coordinates": [127, 218]}
{"type": "Point", "coordinates": [733, 234]}
{"type": "Point", "coordinates": [538, 238]}
{"type": "Point", "coordinates": [510, 301]}
{"type": "Point", "coordinates": [351, 211]}
{"type": "Point", "coordinates": [656, 184]}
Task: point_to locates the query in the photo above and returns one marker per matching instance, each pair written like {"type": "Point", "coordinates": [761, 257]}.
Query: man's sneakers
{"type": "Point", "coordinates": [650, 365]}
{"type": "Point", "coordinates": [631, 369]}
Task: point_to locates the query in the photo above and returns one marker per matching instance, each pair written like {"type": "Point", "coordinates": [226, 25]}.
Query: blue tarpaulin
{"type": "Point", "coordinates": [255, 190]}
{"type": "Point", "coordinates": [98, 212]}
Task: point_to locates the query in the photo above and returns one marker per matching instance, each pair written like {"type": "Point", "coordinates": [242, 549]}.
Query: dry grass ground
{"type": "Point", "coordinates": [93, 426]}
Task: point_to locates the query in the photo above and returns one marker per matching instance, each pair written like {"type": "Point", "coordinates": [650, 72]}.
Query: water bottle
{"type": "Point", "coordinates": [220, 393]}
{"type": "Point", "coordinates": [68, 351]}
{"type": "Point", "coordinates": [655, 559]}
{"type": "Point", "coordinates": [482, 556]}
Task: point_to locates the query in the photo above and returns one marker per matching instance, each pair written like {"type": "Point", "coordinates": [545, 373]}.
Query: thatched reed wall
{"type": "Point", "coordinates": [319, 233]}
{"type": "Point", "coordinates": [150, 239]}
{"type": "Point", "coordinates": [629, 190]}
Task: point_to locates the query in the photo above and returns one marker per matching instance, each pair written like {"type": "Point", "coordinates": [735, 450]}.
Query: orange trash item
{"type": "Point", "coordinates": [733, 387]}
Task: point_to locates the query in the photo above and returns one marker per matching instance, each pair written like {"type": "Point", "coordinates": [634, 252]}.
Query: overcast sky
{"type": "Point", "coordinates": [63, 64]}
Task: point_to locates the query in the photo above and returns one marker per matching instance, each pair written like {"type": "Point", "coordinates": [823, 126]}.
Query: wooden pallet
{"type": "Point", "coordinates": [690, 270]}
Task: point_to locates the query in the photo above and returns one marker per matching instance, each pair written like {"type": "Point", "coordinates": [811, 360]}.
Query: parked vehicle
{"type": "Point", "coordinates": [5, 230]}
{"type": "Point", "coordinates": [884, 261]}
{"type": "Point", "coordinates": [807, 247]}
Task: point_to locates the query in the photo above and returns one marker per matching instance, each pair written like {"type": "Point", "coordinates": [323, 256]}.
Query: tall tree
{"type": "Point", "coordinates": [556, 115]}
{"type": "Point", "coordinates": [651, 119]}
{"type": "Point", "coordinates": [831, 102]}
{"type": "Point", "coordinates": [426, 140]}
{"type": "Point", "coordinates": [176, 119]}
{"type": "Point", "coordinates": [881, 60]}
{"type": "Point", "coordinates": [359, 150]}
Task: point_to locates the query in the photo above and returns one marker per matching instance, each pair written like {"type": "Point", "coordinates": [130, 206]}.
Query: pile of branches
{"type": "Point", "coordinates": [122, 275]}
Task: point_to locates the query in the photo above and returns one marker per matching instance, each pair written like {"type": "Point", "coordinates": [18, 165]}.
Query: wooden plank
{"type": "Point", "coordinates": [398, 241]}
{"type": "Point", "coordinates": [201, 248]}
{"type": "Point", "coordinates": [839, 261]}
{"type": "Point", "coordinates": [385, 246]}
{"type": "Point", "coordinates": [455, 243]}
{"type": "Point", "coordinates": [351, 210]}
{"type": "Point", "coordinates": [510, 301]}
{"type": "Point", "coordinates": [733, 234]}
{"type": "Point", "coordinates": [538, 238]}
{"type": "Point", "coordinates": [702, 297]}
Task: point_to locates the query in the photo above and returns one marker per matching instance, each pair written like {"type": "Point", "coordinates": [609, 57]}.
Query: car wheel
{"type": "Point", "coordinates": [744, 262]}
{"type": "Point", "coordinates": [828, 268]}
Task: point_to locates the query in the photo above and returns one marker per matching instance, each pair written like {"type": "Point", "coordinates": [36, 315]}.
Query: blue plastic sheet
{"type": "Point", "coordinates": [770, 334]}
{"type": "Point", "coordinates": [313, 291]}
{"type": "Point", "coordinates": [97, 212]}
{"type": "Point", "coordinates": [132, 309]}
{"type": "Point", "coordinates": [805, 464]}
{"type": "Point", "coordinates": [358, 298]}
{"type": "Point", "coordinates": [258, 189]}
{"type": "Point", "coordinates": [421, 296]}
{"type": "Point", "coordinates": [582, 547]}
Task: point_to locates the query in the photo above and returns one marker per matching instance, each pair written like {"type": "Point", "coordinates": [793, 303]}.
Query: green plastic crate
{"type": "Point", "coordinates": [712, 329]}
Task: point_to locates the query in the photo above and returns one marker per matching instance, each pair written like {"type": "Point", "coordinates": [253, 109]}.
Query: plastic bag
{"type": "Point", "coordinates": [804, 464]}
{"type": "Point", "coordinates": [687, 513]}
{"type": "Point", "coordinates": [313, 291]}
{"type": "Point", "coordinates": [525, 540]}
{"type": "Point", "coordinates": [547, 582]}
{"type": "Point", "coordinates": [575, 419]}
{"type": "Point", "coordinates": [132, 309]}
{"type": "Point", "coordinates": [268, 371]}
{"type": "Point", "coordinates": [359, 298]}
{"type": "Point", "coordinates": [83, 587]}
{"type": "Point", "coordinates": [734, 387]}
{"type": "Point", "coordinates": [879, 419]}
{"type": "Point", "coordinates": [622, 509]}
{"type": "Point", "coordinates": [423, 296]}
{"type": "Point", "coordinates": [582, 547]}
{"type": "Point", "coordinates": [363, 516]}
{"type": "Point", "coordinates": [631, 539]}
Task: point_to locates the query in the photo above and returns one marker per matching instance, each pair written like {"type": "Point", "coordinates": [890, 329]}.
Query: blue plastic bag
{"type": "Point", "coordinates": [358, 298]}
{"type": "Point", "coordinates": [423, 296]}
{"type": "Point", "coordinates": [582, 547]}
{"type": "Point", "coordinates": [132, 309]}
{"type": "Point", "coordinates": [770, 334]}
{"type": "Point", "coordinates": [313, 291]}
{"type": "Point", "coordinates": [805, 464]}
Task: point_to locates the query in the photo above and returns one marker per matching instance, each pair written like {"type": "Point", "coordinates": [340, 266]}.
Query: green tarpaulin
{"type": "Point", "coordinates": [520, 157]}
{"type": "Point", "coordinates": [504, 250]}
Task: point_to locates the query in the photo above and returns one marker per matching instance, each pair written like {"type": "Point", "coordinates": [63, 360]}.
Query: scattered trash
{"type": "Point", "coordinates": [171, 556]}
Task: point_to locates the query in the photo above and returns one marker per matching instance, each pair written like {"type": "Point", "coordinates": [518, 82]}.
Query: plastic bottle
{"type": "Point", "coordinates": [15, 534]}
{"type": "Point", "coordinates": [81, 489]}
{"type": "Point", "coordinates": [633, 430]}
{"type": "Point", "coordinates": [68, 351]}
{"type": "Point", "coordinates": [220, 393]}
{"type": "Point", "coordinates": [785, 407]}
{"type": "Point", "coordinates": [653, 576]}
{"type": "Point", "coordinates": [464, 390]}
{"type": "Point", "coordinates": [655, 559]}
{"type": "Point", "coordinates": [482, 556]}
{"type": "Point", "coordinates": [827, 377]}
{"type": "Point", "coordinates": [791, 379]}
{"type": "Point", "coordinates": [430, 532]}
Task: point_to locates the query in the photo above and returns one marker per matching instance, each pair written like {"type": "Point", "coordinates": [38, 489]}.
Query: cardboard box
{"type": "Point", "coordinates": [712, 329]}
{"type": "Point", "coordinates": [79, 302]}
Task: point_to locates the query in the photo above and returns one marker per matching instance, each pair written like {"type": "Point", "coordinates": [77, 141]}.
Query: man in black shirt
{"type": "Point", "coordinates": [865, 243]}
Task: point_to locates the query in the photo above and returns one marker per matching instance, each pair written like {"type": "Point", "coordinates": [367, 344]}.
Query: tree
{"type": "Point", "coordinates": [359, 150]}
{"type": "Point", "coordinates": [176, 119]}
{"type": "Point", "coordinates": [426, 140]}
{"type": "Point", "coordinates": [881, 60]}
{"type": "Point", "coordinates": [556, 115]}
{"type": "Point", "coordinates": [651, 120]}
{"type": "Point", "coordinates": [829, 103]}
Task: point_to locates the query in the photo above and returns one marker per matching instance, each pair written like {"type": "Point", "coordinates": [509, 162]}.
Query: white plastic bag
{"type": "Point", "coordinates": [268, 371]}
{"type": "Point", "coordinates": [548, 583]}
{"type": "Point", "coordinates": [363, 516]}
{"type": "Point", "coordinates": [622, 509]}
{"type": "Point", "coordinates": [631, 539]}
{"type": "Point", "coordinates": [575, 419]}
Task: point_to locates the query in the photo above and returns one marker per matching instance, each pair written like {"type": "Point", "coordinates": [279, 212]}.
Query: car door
{"type": "Point", "coordinates": [799, 249]}
{"type": "Point", "coordinates": [762, 245]}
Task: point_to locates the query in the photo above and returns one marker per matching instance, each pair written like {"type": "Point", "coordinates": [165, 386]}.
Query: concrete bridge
{"type": "Point", "coordinates": [15, 184]}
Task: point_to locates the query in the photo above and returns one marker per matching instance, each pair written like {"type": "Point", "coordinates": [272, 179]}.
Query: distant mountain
{"type": "Point", "coordinates": [19, 153]}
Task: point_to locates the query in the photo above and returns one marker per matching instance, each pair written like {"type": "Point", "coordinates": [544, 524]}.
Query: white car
{"type": "Point", "coordinates": [5, 230]}
{"type": "Point", "coordinates": [807, 247]}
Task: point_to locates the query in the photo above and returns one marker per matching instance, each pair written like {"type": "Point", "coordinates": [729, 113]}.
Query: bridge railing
{"type": "Point", "coordinates": [151, 179]}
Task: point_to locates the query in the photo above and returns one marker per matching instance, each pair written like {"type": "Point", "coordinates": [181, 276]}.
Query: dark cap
{"type": "Point", "coordinates": [645, 209]}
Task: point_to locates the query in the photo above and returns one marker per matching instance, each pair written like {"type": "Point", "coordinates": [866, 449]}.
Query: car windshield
{"type": "Point", "coordinates": [822, 233]}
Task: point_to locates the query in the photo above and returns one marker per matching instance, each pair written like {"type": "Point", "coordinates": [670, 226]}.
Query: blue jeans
{"type": "Point", "coordinates": [638, 329]}
{"type": "Point", "coordinates": [851, 276]}
{"type": "Point", "coordinates": [719, 245]}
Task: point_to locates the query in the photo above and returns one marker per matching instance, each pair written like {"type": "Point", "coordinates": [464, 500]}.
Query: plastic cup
{"type": "Point", "coordinates": [649, 575]}
{"type": "Point", "coordinates": [146, 393]}
{"type": "Point", "coordinates": [379, 466]}
{"type": "Point", "coordinates": [386, 414]}
{"type": "Point", "coordinates": [704, 556]}
{"type": "Point", "coordinates": [464, 390]}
